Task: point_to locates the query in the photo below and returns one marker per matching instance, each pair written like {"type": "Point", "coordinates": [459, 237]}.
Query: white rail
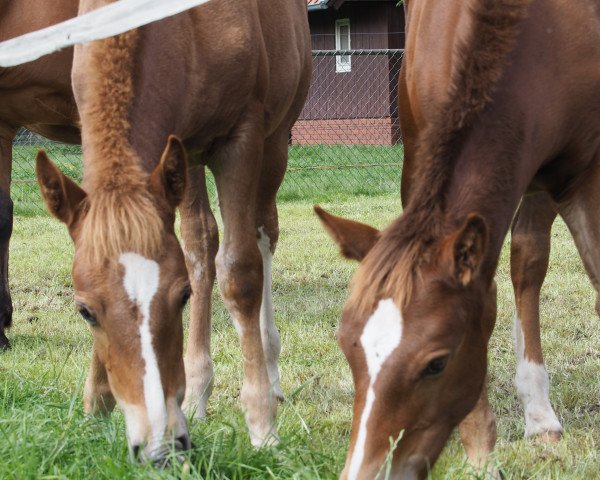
{"type": "Point", "coordinates": [115, 18]}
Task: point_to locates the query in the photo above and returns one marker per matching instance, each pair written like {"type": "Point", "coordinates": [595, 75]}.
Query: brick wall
{"type": "Point", "coordinates": [352, 131]}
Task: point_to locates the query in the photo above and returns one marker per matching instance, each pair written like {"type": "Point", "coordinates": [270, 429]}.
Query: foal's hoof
{"type": "Point", "coordinates": [271, 441]}
{"type": "Point", "coordinates": [194, 410]}
{"type": "Point", "coordinates": [549, 437]}
{"type": "Point", "coordinates": [4, 343]}
{"type": "Point", "coordinates": [262, 440]}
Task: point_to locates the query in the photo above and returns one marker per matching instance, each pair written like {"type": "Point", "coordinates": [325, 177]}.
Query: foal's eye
{"type": "Point", "coordinates": [186, 296]}
{"type": "Point", "coordinates": [85, 313]}
{"type": "Point", "coordinates": [435, 366]}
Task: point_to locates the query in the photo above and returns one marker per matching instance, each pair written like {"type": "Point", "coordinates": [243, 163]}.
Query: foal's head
{"type": "Point", "coordinates": [131, 285]}
{"type": "Point", "coordinates": [414, 331]}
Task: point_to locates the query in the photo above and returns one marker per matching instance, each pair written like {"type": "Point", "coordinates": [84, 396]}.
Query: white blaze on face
{"type": "Point", "coordinates": [141, 282]}
{"type": "Point", "coordinates": [533, 387]}
{"type": "Point", "coordinates": [381, 336]}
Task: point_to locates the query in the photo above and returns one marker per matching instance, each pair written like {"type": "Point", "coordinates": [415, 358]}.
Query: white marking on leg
{"type": "Point", "coordinates": [220, 262]}
{"type": "Point", "coordinates": [141, 282]}
{"type": "Point", "coordinates": [269, 334]}
{"type": "Point", "coordinates": [198, 269]}
{"type": "Point", "coordinates": [239, 328]}
{"type": "Point", "coordinates": [199, 373]}
{"type": "Point", "coordinates": [255, 396]}
{"type": "Point", "coordinates": [380, 337]}
{"type": "Point", "coordinates": [533, 387]}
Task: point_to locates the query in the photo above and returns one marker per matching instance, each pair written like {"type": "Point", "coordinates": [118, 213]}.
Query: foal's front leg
{"type": "Point", "coordinates": [267, 225]}
{"type": "Point", "coordinates": [530, 250]}
{"type": "Point", "coordinates": [97, 396]}
{"type": "Point", "coordinates": [478, 428]}
{"type": "Point", "coordinates": [478, 435]}
{"type": "Point", "coordinates": [200, 243]}
{"type": "Point", "coordinates": [240, 267]}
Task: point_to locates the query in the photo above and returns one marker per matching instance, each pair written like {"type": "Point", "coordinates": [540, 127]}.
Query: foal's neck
{"type": "Point", "coordinates": [489, 179]}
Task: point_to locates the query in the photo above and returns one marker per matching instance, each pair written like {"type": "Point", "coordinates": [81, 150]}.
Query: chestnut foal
{"type": "Point", "coordinates": [422, 306]}
{"type": "Point", "coordinates": [36, 95]}
{"type": "Point", "coordinates": [530, 250]}
{"type": "Point", "coordinates": [233, 102]}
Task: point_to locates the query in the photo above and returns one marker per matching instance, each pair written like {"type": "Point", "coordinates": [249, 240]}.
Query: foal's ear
{"type": "Point", "coordinates": [61, 195]}
{"type": "Point", "coordinates": [355, 239]}
{"type": "Point", "coordinates": [170, 175]}
{"type": "Point", "coordinates": [464, 249]}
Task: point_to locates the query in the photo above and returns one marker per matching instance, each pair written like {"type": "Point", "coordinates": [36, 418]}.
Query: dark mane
{"type": "Point", "coordinates": [391, 267]}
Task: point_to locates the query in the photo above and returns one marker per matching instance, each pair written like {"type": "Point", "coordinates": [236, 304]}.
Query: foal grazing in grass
{"type": "Point", "coordinates": [512, 119]}
{"type": "Point", "coordinates": [530, 250]}
{"type": "Point", "coordinates": [229, 78]}
{"type": "Point", "coordinates": [36, 95]}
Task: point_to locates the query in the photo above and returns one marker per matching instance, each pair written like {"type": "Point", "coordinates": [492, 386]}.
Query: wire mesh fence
{"type": "Point", "coordinates": [25, 192]}
{"type": "Point", "coordinates": [346, 142]}
{"type": "Point", "coordinates": [347, 138]}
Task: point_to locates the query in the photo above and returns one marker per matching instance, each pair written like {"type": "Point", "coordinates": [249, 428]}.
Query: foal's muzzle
{"type": "Point", "coordinates": [162, 456]}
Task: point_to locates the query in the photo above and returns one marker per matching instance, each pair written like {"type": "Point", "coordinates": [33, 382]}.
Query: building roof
{"type": "Point", "coordinates": [317, 4]}
{"type": "Point", "coordinates": [325, 4]}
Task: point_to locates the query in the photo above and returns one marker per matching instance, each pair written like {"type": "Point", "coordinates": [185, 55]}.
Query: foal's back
{"type": "Point", "coordinates": [199, 71]}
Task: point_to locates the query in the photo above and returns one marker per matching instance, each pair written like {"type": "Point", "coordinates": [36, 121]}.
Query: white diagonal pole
{"type": "Point", "coordinates": [115, 18]}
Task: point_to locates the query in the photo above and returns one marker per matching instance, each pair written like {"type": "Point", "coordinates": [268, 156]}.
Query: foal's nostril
{"type": "Point", "coordinates": [183, 443]}
{"type": "Point", "coordinates": [136, 452]}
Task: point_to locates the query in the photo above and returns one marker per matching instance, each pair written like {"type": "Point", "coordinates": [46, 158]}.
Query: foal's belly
{"type": "Point", "coordinates": [37, 105]}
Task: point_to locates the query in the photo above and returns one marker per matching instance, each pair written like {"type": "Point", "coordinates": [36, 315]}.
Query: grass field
{"type": "Point", "coordinates": [44, 434]}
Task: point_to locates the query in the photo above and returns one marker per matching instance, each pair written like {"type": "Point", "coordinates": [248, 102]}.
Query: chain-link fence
{"type": "Point", "coordinates": [345, 143]}
{"type": "Point", "coordinates": [25, 192]}
{"type": "Point", "coordinates": [347, 139]}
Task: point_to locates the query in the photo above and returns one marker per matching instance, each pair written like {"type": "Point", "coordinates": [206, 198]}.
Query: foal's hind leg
{"type": "Point", "coordinates": [237, 166]}
{"type": "Point", "coordinates": [581, 215]}
{"type": "Point", "coordinates": [267, 225]}
{"type": "Point", "coordinates": [410, 132]}
{"type": "Point", "coordinates": [530, 249]}
{"type": "Point", "coordinates": [200, 243]}
{"type": "Point", "coordinates": [6, 224]}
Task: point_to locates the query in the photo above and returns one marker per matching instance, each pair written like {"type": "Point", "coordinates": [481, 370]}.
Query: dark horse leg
{"type": "Point", "coordinates": [530, 249]}
{"type": "Point", "coordinates": [6, 224]}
